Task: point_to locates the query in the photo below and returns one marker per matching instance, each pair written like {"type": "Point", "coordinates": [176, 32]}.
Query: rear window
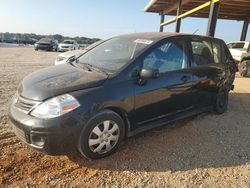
{"type": "Point", "coordinates": [227, 57]}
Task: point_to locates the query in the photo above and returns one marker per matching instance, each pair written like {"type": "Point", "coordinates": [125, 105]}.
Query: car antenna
{"type": "Point", "coordinates": [195, 31]}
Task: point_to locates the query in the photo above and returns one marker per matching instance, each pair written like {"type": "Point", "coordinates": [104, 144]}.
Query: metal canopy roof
{"type": "Point", "coordinates": [229, 9]}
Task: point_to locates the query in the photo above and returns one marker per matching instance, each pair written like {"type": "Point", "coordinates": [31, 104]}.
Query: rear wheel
{"type": "Point", "coordinates": [221, 101]}
{"type": "Point", "coordinates": [102, 135]}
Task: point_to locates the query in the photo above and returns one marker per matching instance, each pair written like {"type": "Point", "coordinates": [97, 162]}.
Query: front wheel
{"type": "Point", "coordinates": [102, 135]}
{"type": "Point", "coordinates": [221, 101]}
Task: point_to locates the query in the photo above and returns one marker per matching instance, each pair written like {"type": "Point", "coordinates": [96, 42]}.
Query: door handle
{"type": "Point", "coordinates": [185, 78]}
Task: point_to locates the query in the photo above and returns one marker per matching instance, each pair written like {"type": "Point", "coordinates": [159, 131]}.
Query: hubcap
{"type": "Point", "coordinates": [104, 137]}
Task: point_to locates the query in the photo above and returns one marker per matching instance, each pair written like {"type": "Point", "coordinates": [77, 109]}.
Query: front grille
{"type": "Point", "coordinates": [65, 46]}
{"type": "Point", "coordinates": [25, 105]}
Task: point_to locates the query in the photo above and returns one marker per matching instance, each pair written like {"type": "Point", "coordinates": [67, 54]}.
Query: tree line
{"type": "Point", "coordinates": [31, 38]}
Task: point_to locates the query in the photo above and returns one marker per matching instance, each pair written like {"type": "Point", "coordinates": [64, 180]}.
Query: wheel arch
{"type": "Point", "coordinates": [122, 113]}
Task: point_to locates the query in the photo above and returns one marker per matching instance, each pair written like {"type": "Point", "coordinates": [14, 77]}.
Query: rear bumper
{"type": "Point", "coordinates": [52, 136]}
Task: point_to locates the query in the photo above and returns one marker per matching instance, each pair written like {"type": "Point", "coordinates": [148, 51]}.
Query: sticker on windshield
{"type": "Point", "coordinates": [143, 41]}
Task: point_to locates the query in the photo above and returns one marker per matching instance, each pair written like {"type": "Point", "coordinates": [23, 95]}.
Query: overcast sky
{"type": "Point", "coordinates": [96, 18]}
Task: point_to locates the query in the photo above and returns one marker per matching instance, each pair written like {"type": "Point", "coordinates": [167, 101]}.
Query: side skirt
{"type": "Point", "coordinates": [167, 120]}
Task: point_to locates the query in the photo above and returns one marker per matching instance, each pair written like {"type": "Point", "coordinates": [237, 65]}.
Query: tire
{"type": "Point", "coordinates": [36, 49]}
{"type": "Point", "coordinates": [244, 68]}
{"type": "Point", "coordinates": [103, 139]}
{"type": "Point", "coordinates": [221, 101]}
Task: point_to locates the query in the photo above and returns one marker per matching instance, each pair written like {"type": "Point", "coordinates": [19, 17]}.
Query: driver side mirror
{"type": "Point", "coordinates": [71, 59]}
{"type": "Point", "coordinates": [148, 73]}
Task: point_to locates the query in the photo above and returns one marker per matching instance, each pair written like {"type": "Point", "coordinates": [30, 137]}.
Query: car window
{"type": "Point", "coordinates": [168, 57]}
{"type": "Point", "coordinates": [236, 45]}
{"type": "Point", "coordinates": [226, 55]}
{"type": "Point", "coordinates": [217, 52]}
{"type": "Point", "coordinates": [202, 53]}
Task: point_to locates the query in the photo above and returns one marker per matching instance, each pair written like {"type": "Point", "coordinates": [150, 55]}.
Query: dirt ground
{"type": "Point", "coordinates": [205, 151]}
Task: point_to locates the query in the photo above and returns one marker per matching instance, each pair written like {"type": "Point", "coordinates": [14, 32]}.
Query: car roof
{"type": "Point", "coordinates": [157, 36]}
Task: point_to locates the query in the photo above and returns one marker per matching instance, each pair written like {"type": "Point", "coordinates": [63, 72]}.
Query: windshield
{"type": "Point", "coordinates": [45, 40]}
{"type": "Point", "coordinates": [68, 42]}
{"type": "Point", "coordinates": [111, 55]}
{"type": "Point", "coordinates": [93, 45]}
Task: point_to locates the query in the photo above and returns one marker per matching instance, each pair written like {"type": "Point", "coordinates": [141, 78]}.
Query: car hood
{"type": "Point", "coordinates": [44, 43]}
{"type": "Point", "coordinates": [54, 81]}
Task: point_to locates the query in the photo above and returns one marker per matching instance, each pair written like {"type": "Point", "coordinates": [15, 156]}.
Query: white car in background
{"type": "Point", "coordinates": [238, 48]}
{"type": "Point", "coordinates": [67, 45]}
{"type": "Point", "coordinates": [63, 58]}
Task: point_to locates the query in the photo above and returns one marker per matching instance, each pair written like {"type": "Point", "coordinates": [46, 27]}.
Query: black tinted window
{"type": "Point", "coordinates": [45, 40]}
{"type": "Point", "coordinates": [226, 56]}
{"type": "Point", "coordinates": [202, 53]}
{"type": "Point", "coordinates": [168, 57]}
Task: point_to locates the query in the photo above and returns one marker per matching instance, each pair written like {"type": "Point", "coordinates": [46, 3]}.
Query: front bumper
{"type": "Point", "coordinates": [52, 136]}
{"type": "Point", "coordinates": [44, 47]}
{"type": "Point", "coordinates": [63, 49]}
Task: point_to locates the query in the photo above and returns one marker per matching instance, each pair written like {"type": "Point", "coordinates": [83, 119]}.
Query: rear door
{"type": "Point", "coordinates": [209, 71]}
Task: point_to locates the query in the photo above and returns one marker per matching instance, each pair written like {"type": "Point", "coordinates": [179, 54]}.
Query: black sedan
{"type": "Point", "coordinates": [125, 85]}
{"type": "Point", "coordinates": [46, 44]}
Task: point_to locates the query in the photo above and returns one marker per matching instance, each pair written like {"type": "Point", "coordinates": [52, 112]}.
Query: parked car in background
{"type": "Point", "coordinates": [46, 44]}
{"type": "Point", "coordinates": [63, 58]}
{"type": "Point", "coordinates": [244, 65]}
{"type": "Point", "coordinates": [67, 45]}
{"type": "Point", "coordinates": [241, 53]}
{"type": "Point", "coordinates": [238, 48]}
{"type": "Point", "coordinates": [125, 85]}
{"type": "Point", "coordinates": [66, 56]}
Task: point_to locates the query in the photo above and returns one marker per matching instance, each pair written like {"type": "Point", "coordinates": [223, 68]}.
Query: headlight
{"type": "Point", "coordinates": [55, 107]}
{"type": "Point", "coordinates": [36, 44]}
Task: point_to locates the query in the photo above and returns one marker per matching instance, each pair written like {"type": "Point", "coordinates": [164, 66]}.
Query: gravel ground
{"type": "Point", "coordinates": [205, 151]}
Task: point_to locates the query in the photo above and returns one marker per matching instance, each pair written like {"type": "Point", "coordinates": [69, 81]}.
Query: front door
{"type": "Point", "coordinates": [171, 91]}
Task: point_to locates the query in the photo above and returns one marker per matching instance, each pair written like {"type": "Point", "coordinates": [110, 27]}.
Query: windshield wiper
{"type": "Point", "coordinates": [88, 66]}
{"type": "Point", "coordinates": [76, 63]}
